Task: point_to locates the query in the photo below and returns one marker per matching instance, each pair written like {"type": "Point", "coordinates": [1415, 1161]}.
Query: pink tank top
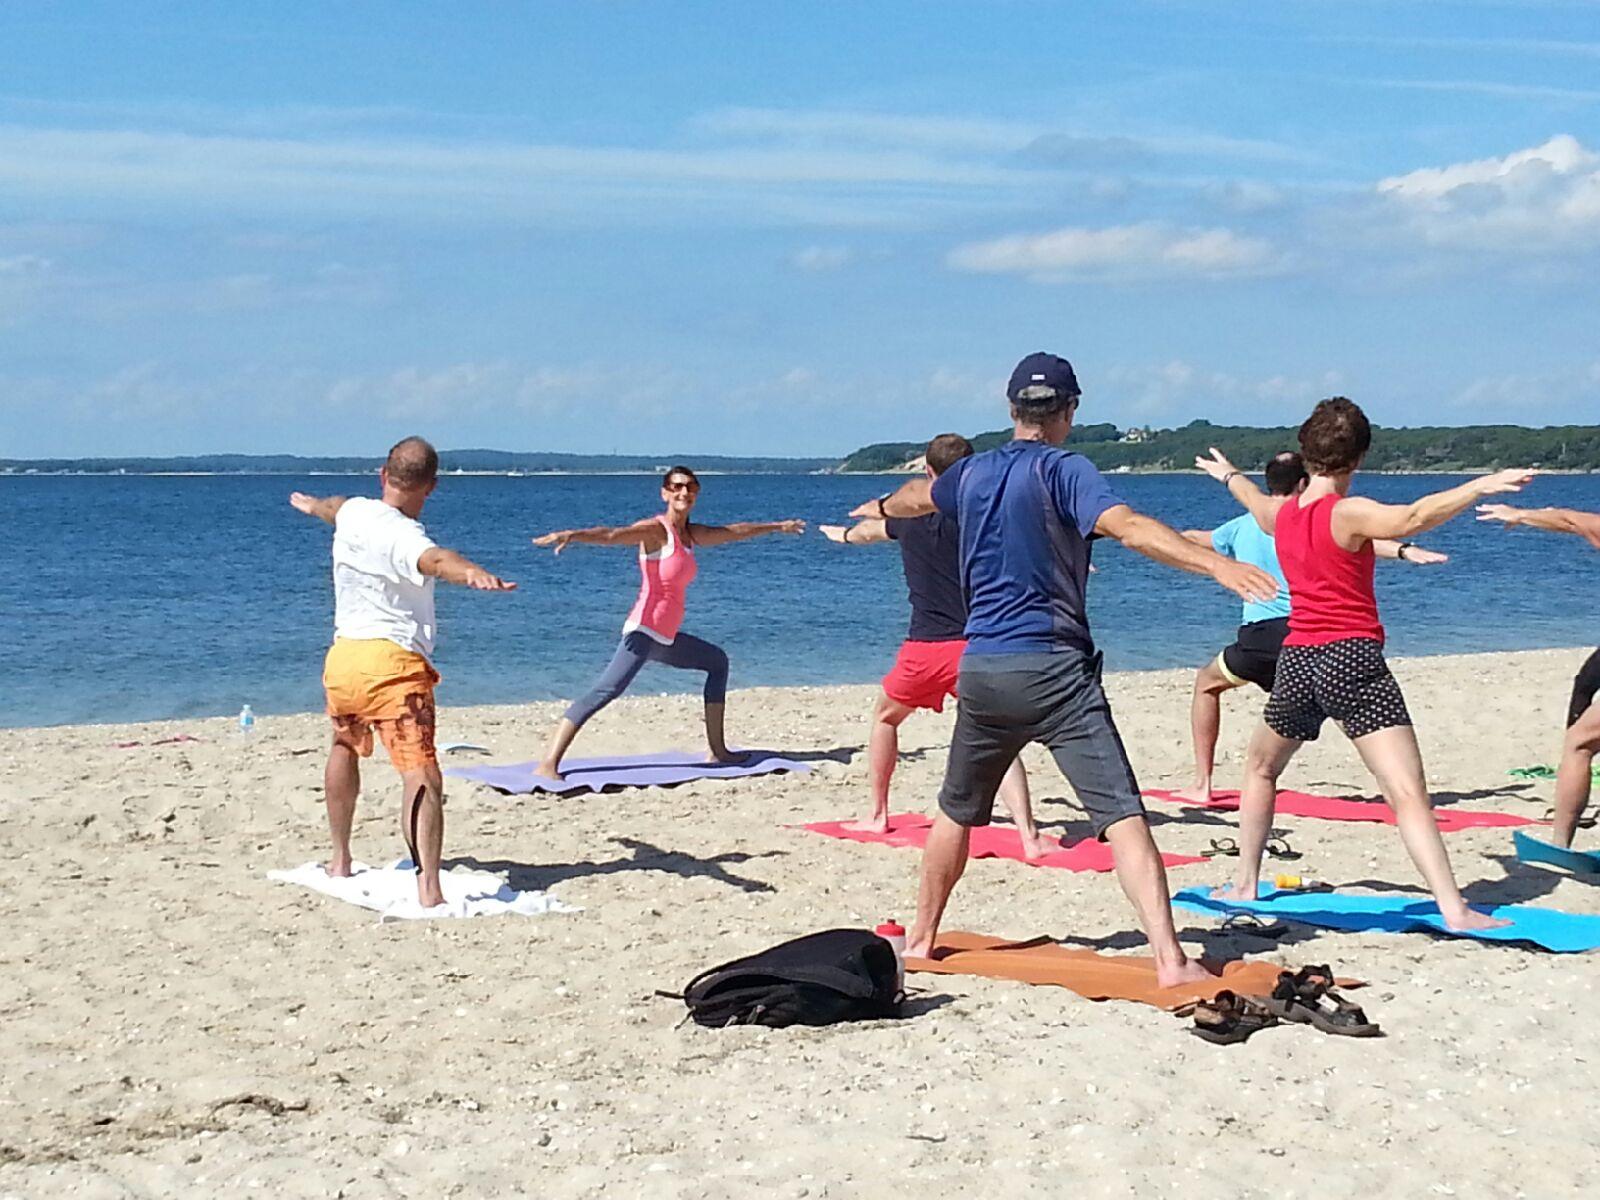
{"type": "Point", "coordinates": [658, 612]}
{"type": "Point", "coordinates": [1332, 591]}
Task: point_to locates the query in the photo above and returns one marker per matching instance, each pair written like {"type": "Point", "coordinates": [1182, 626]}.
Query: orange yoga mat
{"type": "Point", "coordinates": [1093, 975]}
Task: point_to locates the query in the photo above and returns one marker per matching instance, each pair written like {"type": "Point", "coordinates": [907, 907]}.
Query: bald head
{"type": "Point", "coordinates": [413, 464]}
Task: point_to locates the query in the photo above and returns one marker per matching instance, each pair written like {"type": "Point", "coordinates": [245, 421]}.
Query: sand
{"type": "Point", "coordinates": [176, 1024]}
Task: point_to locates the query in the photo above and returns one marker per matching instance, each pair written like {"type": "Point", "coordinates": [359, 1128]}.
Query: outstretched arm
{"type": "Point", "coordinates": [862, 533]}
{"type": "Point", "coordinates": [453, 568]}
{"type": "Point", "coordinates": [1167, 546]}
{"type": "Point", "coordinates": [324, 508]}
{"type": "Point", "coordinates": [721, 535]}
{"type": "Point", "coordinates": [1556, 520]}
{"type": "Point", "coordinates": [1359, 519]}
{"type": "Point", "coordinates": [1408, 552]}
{"type": "Point", "coordinates": [1241, 487]}
{"type": "Point", "coordinates": [912, 498]}
{"type": "Point", "coordinates": [1200, 537]}
{"type": "Point", "coordinates": [647, 533]}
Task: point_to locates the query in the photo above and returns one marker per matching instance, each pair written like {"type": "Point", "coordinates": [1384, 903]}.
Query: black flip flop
{"type": "Point", "coordinates": [1222, 848]}
{"type": "Point", "coordinates": [1585, 820]}
{"type": "Point", "coordinates": [1228, 1018]}
{"type": "Point", "coordinates": [1248, 922]}
{"type": "Point", "coordinates": [1307, 998]}
{"type": "Point", "coordinates": [1278, 847]}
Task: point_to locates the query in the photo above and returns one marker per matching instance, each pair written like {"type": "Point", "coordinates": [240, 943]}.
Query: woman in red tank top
{"type": "Point", "coordinates": [652, 633]}
{"type": "Point", "coordinates": [1332, 663]}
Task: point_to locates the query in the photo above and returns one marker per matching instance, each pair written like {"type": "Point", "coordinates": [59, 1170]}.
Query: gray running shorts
{"type": "Point", "coordinates": [1009, 700]}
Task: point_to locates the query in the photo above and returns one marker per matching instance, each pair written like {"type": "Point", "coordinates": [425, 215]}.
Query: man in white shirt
{"type": "Point", "coordinates": [378, 673]}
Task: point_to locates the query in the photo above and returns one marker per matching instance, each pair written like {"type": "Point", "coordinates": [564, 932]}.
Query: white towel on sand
{"type": "Point", "coordinates": [391, 892]}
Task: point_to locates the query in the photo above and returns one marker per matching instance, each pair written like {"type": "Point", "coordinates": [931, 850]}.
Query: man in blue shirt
{"type": "Point", "coordinates": [1253, 656]}
{"type": "Point", "coordinates": [1028, 512]}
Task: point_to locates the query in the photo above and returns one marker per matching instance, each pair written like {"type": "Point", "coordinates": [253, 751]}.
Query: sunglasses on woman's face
{"type": "Point", "coordinates": [682, 485]}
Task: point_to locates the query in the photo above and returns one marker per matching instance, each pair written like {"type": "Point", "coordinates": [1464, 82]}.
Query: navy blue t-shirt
{"type": "Point", "coordinates": [930, 551]}
{"type": "Point", "coordinates": [1027, 512]}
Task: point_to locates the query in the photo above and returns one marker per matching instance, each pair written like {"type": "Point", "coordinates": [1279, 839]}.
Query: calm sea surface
{"type": "Point", "coordinates": [143, 598]}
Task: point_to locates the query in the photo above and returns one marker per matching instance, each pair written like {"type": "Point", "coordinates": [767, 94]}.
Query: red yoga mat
{"type": "Point", "coordinates": [1338, 808]}
{"type": "Point", "coordinates": [990, 841]}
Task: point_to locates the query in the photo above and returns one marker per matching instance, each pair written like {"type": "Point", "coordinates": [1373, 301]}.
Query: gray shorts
{"type": "Point", "coordinates": [1009, 700]}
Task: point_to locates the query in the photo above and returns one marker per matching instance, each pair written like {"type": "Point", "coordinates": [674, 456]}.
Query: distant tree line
{"type": "Point", "coordinates": [1426, 448]}
{"type": "Point", "coordinates": [449, 460]}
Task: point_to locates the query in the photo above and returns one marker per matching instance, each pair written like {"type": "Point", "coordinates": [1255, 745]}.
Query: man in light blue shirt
{"type": "Point", "coordinates": [1253, 656]}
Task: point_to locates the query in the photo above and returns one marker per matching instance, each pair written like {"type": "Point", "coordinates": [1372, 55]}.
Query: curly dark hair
{"type": "Point", "coordinates": [1335, 437]}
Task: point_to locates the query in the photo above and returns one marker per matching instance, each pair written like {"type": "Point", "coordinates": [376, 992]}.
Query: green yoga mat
{"type": "Point", "coordinates": [1543, 772]}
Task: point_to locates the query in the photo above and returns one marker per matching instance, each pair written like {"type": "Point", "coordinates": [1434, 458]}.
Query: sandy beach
{"type": "Point", "coordinates": [177, 1024]}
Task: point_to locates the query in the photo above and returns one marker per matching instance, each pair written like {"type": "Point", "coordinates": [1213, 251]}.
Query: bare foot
{"type": "Point", "coordinates": [550, 771]}
{"type": "Point", "coordinates": [1200, 793]}
{"type": "Point", "coordinates": [920, 949]}
{"type": "Point", "coordinates": [339, 868]}
{"type": "Point", "coordinates": [1036, 847]}
{"type": "Point", "coordinates": [1469, 921]}
{"type": "Point", "coordinates": [725, 756]}
{"type": "Point", "coordinates": [1235, 892]}
{"type": "Point", "coordinates": [1188, 971]}
{"type": "Point", "coordinates": [877, 823]}
{"type": "Point", "coordinates": [428, 893]}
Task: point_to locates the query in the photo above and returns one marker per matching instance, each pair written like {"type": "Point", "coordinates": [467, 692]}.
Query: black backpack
{"type": "Point", "coordinates": [819, 979]}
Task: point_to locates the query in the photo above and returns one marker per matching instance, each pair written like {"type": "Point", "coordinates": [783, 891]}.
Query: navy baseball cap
{"type": "Point", "coordinates": [1042, 371]}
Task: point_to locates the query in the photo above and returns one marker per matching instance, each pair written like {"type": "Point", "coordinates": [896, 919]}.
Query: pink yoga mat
{"type": "Point", "coordinates": [990, 841]}
{"type": "Point", "coordinates": [1337, 808]}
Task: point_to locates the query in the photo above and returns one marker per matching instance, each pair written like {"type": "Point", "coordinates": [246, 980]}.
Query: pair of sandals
{"type": "Point", "coordinates": [1303, 997]}
{"type": "Point", "coordinates": [1277, 847]}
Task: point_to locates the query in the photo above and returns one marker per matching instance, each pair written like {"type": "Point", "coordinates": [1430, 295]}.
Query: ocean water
{"type": "Point", "coordinates": [134, 598]}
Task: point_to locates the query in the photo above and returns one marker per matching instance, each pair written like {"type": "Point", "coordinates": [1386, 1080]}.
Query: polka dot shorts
{"type": "Point", "coordinates": [1348, 681]}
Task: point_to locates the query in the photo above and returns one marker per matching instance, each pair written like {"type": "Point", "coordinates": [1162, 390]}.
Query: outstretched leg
{"type": "Point", "coordinates": [1264, 762]}
{"type": "Point", "coordinates": [1395, 761]}
{"type": "Point", "coordinates": [422, 827]}
{"type": "Point", "coordinates": [341, 784]}
{"type": "Point", "coordinates": [1143, 877]}
{"type": "Point", "coordinates": [1018, 802]}
{"type": "Point", "coordinates": [944, 859]}
{"type": "Point", "coordinates": [883, 752]}
{"type": "Point", "coordinates": [1573, 776]}
{"type": "Point", "coordinates": [625, 665]}
{"type": "Point", "coordinates": [1205, 724]}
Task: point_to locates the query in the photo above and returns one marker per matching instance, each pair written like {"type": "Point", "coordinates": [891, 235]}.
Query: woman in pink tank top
{"type": "Point", "coordinates": [1332, 663]}
{"type": "Point", "coordinates": [653, 631]}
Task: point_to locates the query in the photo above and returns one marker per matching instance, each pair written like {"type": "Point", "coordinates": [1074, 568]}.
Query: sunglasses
{"type": "Point", "coordinates": [681, 485]}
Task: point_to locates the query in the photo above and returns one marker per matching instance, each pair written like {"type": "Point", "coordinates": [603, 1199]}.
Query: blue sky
{"type": "Point", "coordinates": [749, 228]}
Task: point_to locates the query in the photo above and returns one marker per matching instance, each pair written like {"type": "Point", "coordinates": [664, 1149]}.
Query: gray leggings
{"type": "Point", "coordinates": [686, 653]}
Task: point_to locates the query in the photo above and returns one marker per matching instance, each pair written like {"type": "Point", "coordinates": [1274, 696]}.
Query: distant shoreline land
{"type": "Point", "coordinates": [1424, 449]}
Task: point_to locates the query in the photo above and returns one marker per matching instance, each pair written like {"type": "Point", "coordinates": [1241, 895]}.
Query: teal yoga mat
{"type": "Point", "coordinates": [1533, 850]}
{"type": "Point", "coordinates": [1548, 928]}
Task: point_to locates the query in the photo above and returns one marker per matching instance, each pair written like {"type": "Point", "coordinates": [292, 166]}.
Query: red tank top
{"type": "Point", "coordinates": [1330, 587]}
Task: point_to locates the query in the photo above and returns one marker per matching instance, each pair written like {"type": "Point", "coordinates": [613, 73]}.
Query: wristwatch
{"type": "Point", "coordinates": [883, 513]}
{"type": "Point", "coordinates": [1401, 553]}
{"type": "Point", "coordinates": [1228, 478]}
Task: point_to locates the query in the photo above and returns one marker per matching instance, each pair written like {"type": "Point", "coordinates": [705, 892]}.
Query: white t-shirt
{"type": "Point", "coordinates": [377, 590]}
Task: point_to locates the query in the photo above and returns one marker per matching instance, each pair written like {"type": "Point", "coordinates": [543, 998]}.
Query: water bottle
{"type": "Point", "coordinates": [247, 721]}
{"type": "Point", "coordinates": [895, 934]}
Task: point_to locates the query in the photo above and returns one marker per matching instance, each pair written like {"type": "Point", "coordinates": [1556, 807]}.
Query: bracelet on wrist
{"type": "Point", "coordinates": [883, 513]}
{"type": "Point", "coordinates": [1401, 553]}
{"type": "Point", "coordinates": [1228, 478]}
{"type": "Point", "coordinates": [847, 535]}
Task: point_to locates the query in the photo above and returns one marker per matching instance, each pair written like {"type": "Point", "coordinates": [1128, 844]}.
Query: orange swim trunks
{"type": "Point", "coordinates": [373, 683]}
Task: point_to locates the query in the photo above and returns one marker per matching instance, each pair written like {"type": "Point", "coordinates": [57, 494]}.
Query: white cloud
{"type": "Point", "coordinates": [1143, 251]}
{"type": "Point", "coordinates": [821, 258]}
{"type": "Point", "coordinates": [1544, 198]}
{"type": "Point", "coordinates": [1175, 389]}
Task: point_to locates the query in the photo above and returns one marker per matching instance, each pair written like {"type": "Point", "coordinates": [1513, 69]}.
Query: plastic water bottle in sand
{"type": "Point", "coordinates": [247, 721]}
{"type": "Point", "coordinates": [895, 934]}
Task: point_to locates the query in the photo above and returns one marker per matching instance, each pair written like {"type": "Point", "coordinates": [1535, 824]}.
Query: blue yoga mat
{"type": "Point", "coordinates": [1536, 850]}
{"type": "Point", "coordinates": [1549, 928]}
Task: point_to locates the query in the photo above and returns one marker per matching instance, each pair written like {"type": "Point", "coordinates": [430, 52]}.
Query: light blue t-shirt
{"type": "Point", "coordinates": [1243, 539]}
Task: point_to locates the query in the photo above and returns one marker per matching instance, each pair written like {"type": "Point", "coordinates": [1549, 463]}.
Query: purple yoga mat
{"type": "Point", "coordinates": [666, 769]}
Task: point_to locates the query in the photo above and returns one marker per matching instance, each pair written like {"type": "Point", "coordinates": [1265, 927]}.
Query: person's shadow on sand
{"type": "Point", "coordinates": [643, 857]}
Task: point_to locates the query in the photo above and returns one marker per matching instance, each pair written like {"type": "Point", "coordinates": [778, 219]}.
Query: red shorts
{"type": "Point", "coordinates": [924, 673]}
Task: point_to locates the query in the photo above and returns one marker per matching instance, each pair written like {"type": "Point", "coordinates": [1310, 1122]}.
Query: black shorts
{"type": "Point", "coordinates": [1253, 657]}
{"type": "Point", "coordinates": [1584, 686]}
{"type": "Point", "coordinates": [1009, 700]}
{"type": "Point", "coordinates": [1348, 681]}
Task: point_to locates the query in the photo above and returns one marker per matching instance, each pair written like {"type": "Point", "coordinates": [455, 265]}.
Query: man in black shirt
{"type": "Point", "coordinates": [929, 662]}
